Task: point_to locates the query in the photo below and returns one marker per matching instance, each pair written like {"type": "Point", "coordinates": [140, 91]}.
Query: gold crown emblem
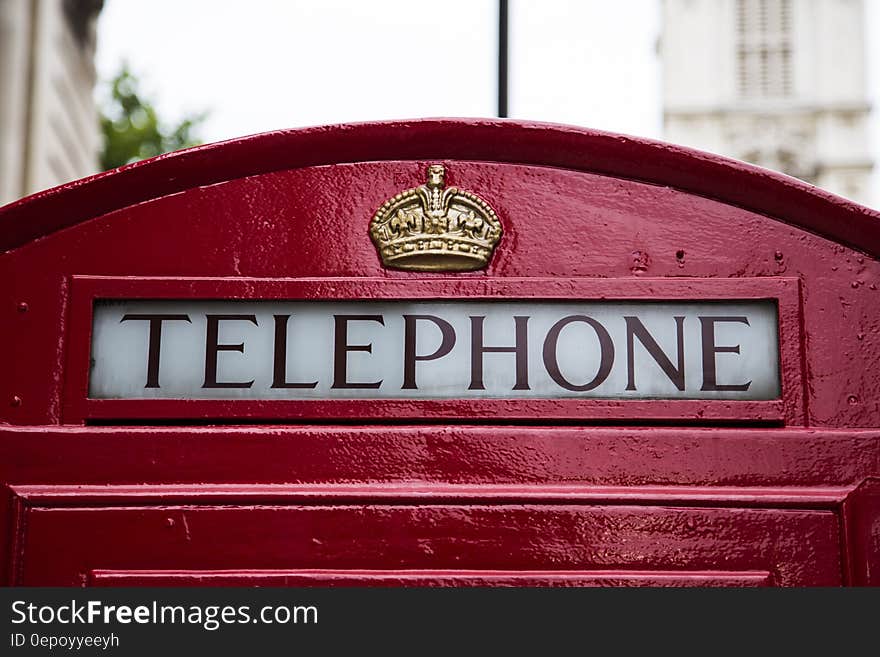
{"type": "Point", "coordinates": [435, 228]}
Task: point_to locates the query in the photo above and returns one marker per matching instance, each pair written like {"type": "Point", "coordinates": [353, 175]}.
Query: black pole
{"type": "Point", "coordinates": [502, 58]}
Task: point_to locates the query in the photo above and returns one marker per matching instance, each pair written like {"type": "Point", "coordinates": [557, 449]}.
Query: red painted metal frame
{"type": "Point", "coordinates": [829, 498]}
{"type": "Point", "coordinates": [789, 409]}
{"type": "Point", "coordinates": [861, 524]}
{"type": "Point", "coordinates": [791, 505]}
{"type": "Point", "coordinates": [456, 578]}
{"type": "Point", "coordinates": [493, 140]}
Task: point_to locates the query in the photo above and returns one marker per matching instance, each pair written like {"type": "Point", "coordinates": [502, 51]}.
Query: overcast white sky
{"type": "Point", "coordinates": [268, 64]}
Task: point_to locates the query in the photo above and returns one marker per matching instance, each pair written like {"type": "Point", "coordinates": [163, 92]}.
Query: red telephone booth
{"type": "Point", "coordinates": [440, 353]}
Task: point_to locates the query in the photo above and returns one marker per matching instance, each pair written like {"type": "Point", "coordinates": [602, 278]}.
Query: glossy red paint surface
{"type": "Point", "coordinates": [578, 498]}
{"type": "Point", "coordinates": [455, 493]}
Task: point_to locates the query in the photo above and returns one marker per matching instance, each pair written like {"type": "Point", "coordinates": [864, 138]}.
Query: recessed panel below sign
{"type": "Point", "coordinates": [181, 349]}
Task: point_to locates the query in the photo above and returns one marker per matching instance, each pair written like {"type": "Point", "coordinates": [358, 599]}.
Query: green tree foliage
{"type": "Point", "coordinates": [133, 131]}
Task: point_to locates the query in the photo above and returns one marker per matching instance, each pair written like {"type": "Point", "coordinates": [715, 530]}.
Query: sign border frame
{"type": "Point", "coordinates": [789, 409]}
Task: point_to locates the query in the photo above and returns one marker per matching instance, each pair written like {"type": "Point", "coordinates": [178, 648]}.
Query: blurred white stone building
{"type": "Point", "coordinates": [49, 131]}
{"type": "Point", "coordinates": [779, 83]}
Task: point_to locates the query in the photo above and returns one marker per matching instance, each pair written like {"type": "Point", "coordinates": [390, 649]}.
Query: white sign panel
{"type": "Point", "coordinates": [434, 350]}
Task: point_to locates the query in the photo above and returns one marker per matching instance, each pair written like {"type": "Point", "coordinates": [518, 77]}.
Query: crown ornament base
{"type": "Point", "coordinates": [435, 261]}
{"type": "Point", "coordinates": [436, 255]}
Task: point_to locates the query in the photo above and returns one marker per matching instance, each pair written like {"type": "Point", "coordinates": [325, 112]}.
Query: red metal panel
{"type": "Point", "coordinates": [798, 547]}
{"type": "Point", "coordinates": [717, 476]}
{"type": "Point", "coordinates": [729, 458]}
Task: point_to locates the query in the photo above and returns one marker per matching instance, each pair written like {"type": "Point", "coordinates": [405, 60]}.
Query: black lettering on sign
{"type": "Point", "coordinates": [341, 349]}
{"type": "Point", "coordinates": [212, 348]}
{"type": "Point", "coordinates": [606, 353]}
{"type": "Point", "coordinates": [155, 347]}
{"type": "Point", "coordinates": [521, 349]}
{"type": "Point", "coordinates": [409, 346]}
